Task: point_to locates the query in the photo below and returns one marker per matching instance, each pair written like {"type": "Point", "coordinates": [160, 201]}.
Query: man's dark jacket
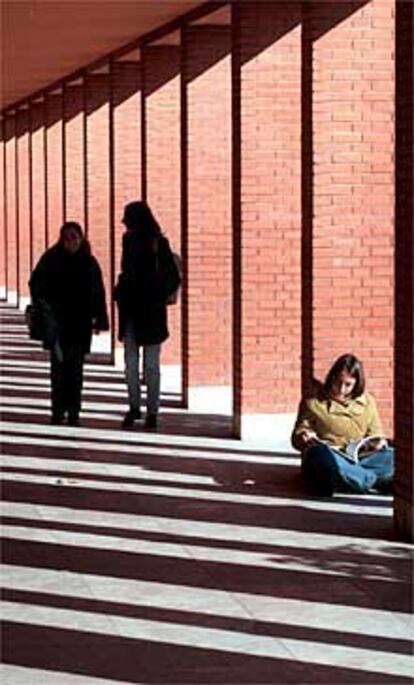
{"type": "Point", "coordinates": [72, 285]}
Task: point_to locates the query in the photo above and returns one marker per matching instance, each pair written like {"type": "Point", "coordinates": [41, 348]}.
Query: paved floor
{"type": "Point", "coordinates": [182, 556]}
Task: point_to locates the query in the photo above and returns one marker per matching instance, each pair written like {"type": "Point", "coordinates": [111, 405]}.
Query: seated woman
{"type": "Point", "coordinates": [342, 412]}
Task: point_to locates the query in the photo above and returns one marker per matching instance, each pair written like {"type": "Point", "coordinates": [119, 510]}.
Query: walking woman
{"type": "Point", "coordinates": [149, 276]}
{"type": "Point", "coordinates": [67, 284]}
{"type": "Point", "coordinates": [331, 422]}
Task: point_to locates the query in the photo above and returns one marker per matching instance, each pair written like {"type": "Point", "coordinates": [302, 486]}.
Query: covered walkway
{"type": "Point", "coordinates": [183, 556]}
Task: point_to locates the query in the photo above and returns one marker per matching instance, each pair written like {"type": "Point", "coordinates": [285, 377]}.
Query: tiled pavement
{"type": "Point", "coordinates": [182, 556]}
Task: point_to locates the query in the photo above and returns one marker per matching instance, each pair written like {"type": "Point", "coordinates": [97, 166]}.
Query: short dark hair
{"type": "Point", "coordinates": [71, 226]}
{"type": "Point", "coordinates": [351, 364]}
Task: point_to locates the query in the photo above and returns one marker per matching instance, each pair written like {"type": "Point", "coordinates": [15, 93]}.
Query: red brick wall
{"type": "Point", "coordinates": [54, 167]}
{"type": "Point", "coordinates": [161, 88]}
{"type": "Point", "coordinates": [23, 197]}
{"type": "Point", "coordinates": [74, 154]}
{"type": "Point", "coordinates": [3, 238]}
{"type": "Point", "coordinates": [126, 140]}
{"type": "Point", "coordinates": [353, 202]}
{"type": "Point", "coordinates": [98, 172]}
{"type": "Point", "coordinates": [11, 202]}
{"type": "Point", "coordinates": [207, 79]}
{"type": "Point", "coordinates": [267, 43]}
{"type": "Point", "coordinates": [404, 325]}
{"type": "Point", "coordinates": [37, 178]}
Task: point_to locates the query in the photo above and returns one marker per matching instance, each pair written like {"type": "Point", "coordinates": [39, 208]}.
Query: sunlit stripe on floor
{"type": "Point", "coordinates": [255, 560]}
{"type": "Point", "coordinates": [21, 675]}
{"type": "Point", "coordinates": [194, 637]}
{"type": "Point", "coordinates": [19, 403]}
{"type": "Point", "coordinates": [22, 382]}
{"type": "Point", "coordinates": [82, 466]}
{"type": "Point", "coordinates": [245, 498]}
{"type": "Point", "coordinates": [194, 528]}
{"type": "Point", "coordinates": [276, 537]}
{"type": "Point", "coordinates": [233, 448]}
{"type": "Point", "coordinates": [211, 602]}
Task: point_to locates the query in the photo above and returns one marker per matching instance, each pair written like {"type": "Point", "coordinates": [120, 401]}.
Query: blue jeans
{"type": "Point", "coordinates": [151, 371]}
{"type": "Point", "coordinates": [326, 470]}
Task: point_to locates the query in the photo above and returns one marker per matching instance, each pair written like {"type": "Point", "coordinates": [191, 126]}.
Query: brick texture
{"type": "Point", "coordinates": [37, 179]}
{"type": "Point", "coordinates": [353, 197]}
{"type": "Point", "coordinates": [23, 198]}
{"type": "Point", "coordinates": [267, 44]}
{"type": "Point", "coordinates": [162, 160]}
{"type": "Point", "coordinates": [207, 79]}
{"type": "Point", "coordinates": [54, 165]}
{"type": "Point", "coordinates": [74, 154]}
{"type": "Point", "coordinates": [3, 238]}
{"type": "Point", "coordinates": [404, 325]}
{"type": "Point", "coordinates": [126, 140]}
{"type": "Point", "coordinates": [98, 172]}
{"type": "Point", "coordinates": [11, 209]}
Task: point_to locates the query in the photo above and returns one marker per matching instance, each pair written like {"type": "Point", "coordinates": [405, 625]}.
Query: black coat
{"type": "Point", "coordinates": [73, 287]}
{"type": "Point", "coordinates": [148, 277]}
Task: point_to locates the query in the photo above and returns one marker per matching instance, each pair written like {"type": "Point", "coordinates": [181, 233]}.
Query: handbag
{"type": "Point", "coordinates": [34, 321]}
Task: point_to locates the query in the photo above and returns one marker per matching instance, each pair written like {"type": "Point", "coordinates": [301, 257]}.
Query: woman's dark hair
{"type": "Point", "coordinates": [351, 364]}
{"type": "Point", "coordinates": [74, 226]}
{"type": "Point", "coordinates": [138, 217]}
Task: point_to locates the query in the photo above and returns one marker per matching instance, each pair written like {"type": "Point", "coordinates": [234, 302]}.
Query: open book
{"type": "Point", "coordinates": [355, 447]}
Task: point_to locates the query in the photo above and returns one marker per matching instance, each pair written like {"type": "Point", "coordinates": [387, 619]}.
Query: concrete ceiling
{"type": "Point", "coordinates": [44, 40]}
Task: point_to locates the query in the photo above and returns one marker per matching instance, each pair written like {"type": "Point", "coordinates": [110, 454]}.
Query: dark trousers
{"type": "Point", "coordinates": [67, 378]}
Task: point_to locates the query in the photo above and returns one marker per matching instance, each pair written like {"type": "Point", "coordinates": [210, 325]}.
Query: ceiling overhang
{"type": "Point", "coordinates": [45, 40]}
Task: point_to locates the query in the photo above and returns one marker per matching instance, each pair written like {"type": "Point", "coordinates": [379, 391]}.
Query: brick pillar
{"type": "Point", "coordinates": [353, 207]}
{"type": "Point", "coordinates": [23, 196]}
{"type": "Point", "coordinates": [161, 89]}
{"type": "Point", "coordinates": [11, 210]}
{"type": "Point", "coordinates": [126, 142]}
{"type": "Point", "coordinates": [267, 216]}
{"type": "Point", "coordinates": [98, 215]}
{"type": "Point", "coordinates": [3, 237]}
{"type": "Point", "coordinates": [404, 253]}
{"type": "Point", "coordinates": [207, 93]}
{"type": "Point", "coordinates": [54, 165]}
{"type": "Point", "coordinates": [37, 179]}
{"type": "Point", "coordinates": [74, 154]}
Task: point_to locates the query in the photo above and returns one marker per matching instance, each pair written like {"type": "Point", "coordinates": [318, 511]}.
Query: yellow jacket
{"type": "Point", "coordinates": [336, 422]}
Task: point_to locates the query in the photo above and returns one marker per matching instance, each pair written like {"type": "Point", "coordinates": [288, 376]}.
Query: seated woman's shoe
{"type": "Point", "coordinates": [73, 419]}
{"type": "Point", "coordinates": [131, 416]}
{"type": "Point", "coordinates": [56, 419]}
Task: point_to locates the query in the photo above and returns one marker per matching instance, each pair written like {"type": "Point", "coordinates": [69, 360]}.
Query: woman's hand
{"type": "Point", "coordinates": [375, 444]}
{"type": "Point", "coordinates": [307, 438]}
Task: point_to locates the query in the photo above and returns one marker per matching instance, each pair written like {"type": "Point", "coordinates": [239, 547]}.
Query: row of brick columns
{"type": "Point", "coordinates": [264, 144]}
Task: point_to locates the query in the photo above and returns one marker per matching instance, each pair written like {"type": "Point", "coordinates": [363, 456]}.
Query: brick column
{"type": "Point", "coordinates": [404, 253]}
{"type": "Point", "coordinates": [98, 215]}
{"type": "Point", "coordinates": [207, 84]}
{"type": "Point", "coordinates": [11, 210]}
{"type": "Point", "coordinates": [74, 154]}
{"type": "Point", "coordinates": [54, 165]}
{"type": "Point", "coordinates": [3, 237]}
{"type": "Point", "coordinates": [161, 90]}
{"type": "Point", "coordinates": [126, 144]}
{"type": "Point", "coordinates": [23, 197]}
{"type": "Point", "coordinates": [353, 208]}
{"type": "Point", "coordinates": [37, 179]}
{"type": "Point", "coordinates": [267, 216]}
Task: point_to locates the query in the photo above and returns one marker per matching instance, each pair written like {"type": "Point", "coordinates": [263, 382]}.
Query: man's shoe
{"type": "Point", "coordinates": [131, 416]}
{"type": "Point", "coordinates": [151, 422]}
{"type": "Point", "coordinates": [73, 420]}
{"type": "Point", "coordinates": [56, 419]}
